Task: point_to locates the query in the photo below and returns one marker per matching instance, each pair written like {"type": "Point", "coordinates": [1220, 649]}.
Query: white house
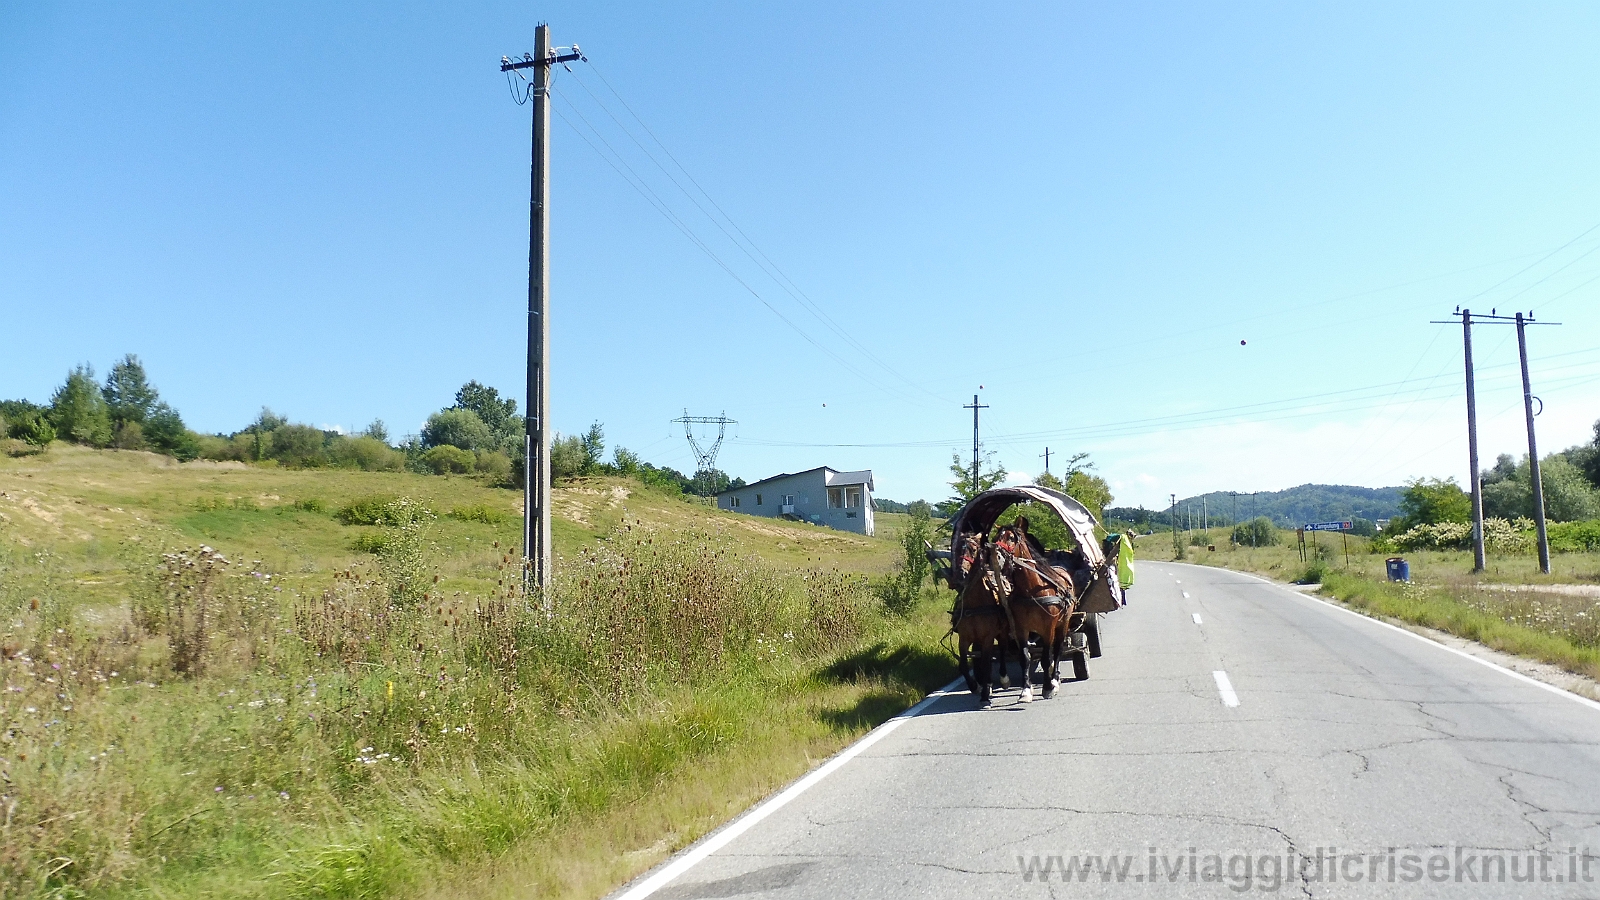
{"type": "Point", "coordinates": [821, 496]}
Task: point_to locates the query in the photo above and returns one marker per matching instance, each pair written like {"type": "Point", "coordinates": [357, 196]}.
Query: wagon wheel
{"type": "Point", "coordinates": [1091, 627]}
{"type": "Point", "coordinates": [1080, 665]}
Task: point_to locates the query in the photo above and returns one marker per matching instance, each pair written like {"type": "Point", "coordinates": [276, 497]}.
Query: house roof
{"type": "Point", "coordinates": [831, 477]}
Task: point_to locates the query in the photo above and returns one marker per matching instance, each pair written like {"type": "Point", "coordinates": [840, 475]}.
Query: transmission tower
{"type": "Point", "coordinates": [706, 459]}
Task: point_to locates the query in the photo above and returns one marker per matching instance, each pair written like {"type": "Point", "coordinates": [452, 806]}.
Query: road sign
{"type": "Point", "coordinates": [1330, 526]}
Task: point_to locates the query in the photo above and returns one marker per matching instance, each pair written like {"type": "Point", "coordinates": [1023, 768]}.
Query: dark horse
{"type": "Point", "coordinates": [979, 618]}
{"type": "Point", "coordinates": [1041, 602]}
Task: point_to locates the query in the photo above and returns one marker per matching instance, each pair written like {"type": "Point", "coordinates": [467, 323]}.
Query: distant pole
{"type": "Point", "coordinates": [1174, 516]}
{"type": "Point", "coordinates": [975, 407]}
{"type": "Point", "coordinates": [1047, 460]}
{"type": "Point", "coordinates": [1479, 563]}
{"type": "Point", "coordinates": [1533, 449]}
{"type": "Point", "coordinates": [536, 439]}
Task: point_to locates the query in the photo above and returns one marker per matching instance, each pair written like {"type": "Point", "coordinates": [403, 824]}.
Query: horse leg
{"type": "Point", "coordinates": [1052, 664]}
{"type": "Point", "coordinates": [1027, 666]}
{"type": "Point", "coordinates": [964, 659]}
{"type": "Point", "coordinates": [984, 662]}
{"type": "Point", "coordinates": [1005, 670]}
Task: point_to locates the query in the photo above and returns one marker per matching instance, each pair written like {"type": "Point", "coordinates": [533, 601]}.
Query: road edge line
{"type": "Point", "coordinates": [1579, 698]}
{"type": "Point", "coordinates": [692, 855]}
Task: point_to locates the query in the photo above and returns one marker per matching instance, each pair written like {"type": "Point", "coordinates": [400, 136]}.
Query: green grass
{"type": "Point", "coordinates": [373, 710]}
{"type": "Point", "coordinates": [1562, 629]}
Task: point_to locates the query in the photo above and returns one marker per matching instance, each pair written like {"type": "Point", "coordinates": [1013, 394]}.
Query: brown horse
{"type": "Point", "coordinates": [979, 620]}
{"type": "Point", "coordinates": [1041, 602]}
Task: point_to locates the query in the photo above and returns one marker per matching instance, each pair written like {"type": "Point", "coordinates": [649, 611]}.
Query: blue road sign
{"type": "Point", "coordinates": [1330, 526]}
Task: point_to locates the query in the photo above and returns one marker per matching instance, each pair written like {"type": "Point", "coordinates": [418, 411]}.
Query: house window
{"type": "Point", "coordinates": [852, 497]}
{"type": "Point", "coordinates": [758, 499]}
{"type": "Point", "coordinates": [733, 502]}
{"type": "Point", "coordinates": [835, 498]}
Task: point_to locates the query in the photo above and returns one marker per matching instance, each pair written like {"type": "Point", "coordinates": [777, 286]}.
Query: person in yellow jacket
{"type": "Point", "coordinates": [1125, 563]}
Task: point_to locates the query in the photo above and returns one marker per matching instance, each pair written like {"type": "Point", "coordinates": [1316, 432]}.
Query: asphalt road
{"type": "Point", "coordinates": [1236, 738]}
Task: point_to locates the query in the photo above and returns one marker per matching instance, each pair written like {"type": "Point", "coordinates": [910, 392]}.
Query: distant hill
{"type": "Point", "coordinates": [1289, 508]}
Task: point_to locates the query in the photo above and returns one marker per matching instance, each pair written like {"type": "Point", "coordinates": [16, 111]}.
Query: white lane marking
{"type": "Point", "coordinates": [1178, 580]}
{"type": "Point", "coordinates": [1431, 642]}
{"type": "Point", "coordinates": [1225, 688]}
{"type": "Point", "coordinates": [721, 838]}
{"type": "Point", "coordinates": [1185, 594]}
{"type": "Point", "coordinates": [1196, 617]}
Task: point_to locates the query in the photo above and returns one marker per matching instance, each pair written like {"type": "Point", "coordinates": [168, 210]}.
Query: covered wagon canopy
{"type": "Point", "coordinates": [980, 515]}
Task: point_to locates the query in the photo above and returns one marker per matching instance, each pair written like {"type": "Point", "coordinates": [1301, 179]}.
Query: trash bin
{"type": "Point", "coordinates": [1399, 569]}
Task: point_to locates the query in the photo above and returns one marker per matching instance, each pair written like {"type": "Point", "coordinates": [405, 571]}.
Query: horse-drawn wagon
{"type": "Point", "coordinates": [1010, 589]}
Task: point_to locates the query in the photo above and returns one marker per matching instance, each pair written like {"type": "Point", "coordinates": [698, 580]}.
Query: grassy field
{"type": "Point", "coordinates": [213, 685]}
{"type": "Point", "coordinates": [1511, 606]}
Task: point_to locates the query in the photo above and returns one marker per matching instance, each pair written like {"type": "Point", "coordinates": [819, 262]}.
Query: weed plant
{"type": "Point", "coordinates": [220, 734]}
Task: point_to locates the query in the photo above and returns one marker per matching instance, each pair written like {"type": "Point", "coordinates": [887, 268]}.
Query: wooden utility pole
{"type": "Point", "coordinates": [536, 440]}
{"type": "Point", "coordinates": [1047, 460]}
{"type": "Point", "coordinates": [1533, 448]}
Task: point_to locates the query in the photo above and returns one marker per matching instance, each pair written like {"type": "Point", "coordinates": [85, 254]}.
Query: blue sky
{"type": "Point", "coordinates": [1082, 208]}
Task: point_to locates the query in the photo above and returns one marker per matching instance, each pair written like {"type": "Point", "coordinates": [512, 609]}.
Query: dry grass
{"type": "Point", "coordinates": [204, 722]}
{"type": "Point", "coordinates": [1511, 606]}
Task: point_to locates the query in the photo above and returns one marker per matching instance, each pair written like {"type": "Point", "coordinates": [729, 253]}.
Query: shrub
{"type": "Point", "coordinates": [370, 542]}
{"type": "Point", "coordinates": [366, 453]}
{"type": "Point", "coordinates": [567, 458]}
{"type": "Point", "coordinates": [300, 446]}
{"type": "Point", "coordinates": [374, 509]}
{"type": "Point", "coordinates": [1258, 532]}
{"type": "Point", "coordinates": [129, 435]}
{"type": "Point", "coordinates": [459, 428]}
{"type": "Point", "coordinates": [445, 459]}
{"type": "Point", "coordinates": [311, 504]}
{"type": "Point", "coordinates": [494, 467]}
{"type": "Point", "coordinates": [32, 428]}
{"type": "Point", "coordinates": [479, 512]}
{"type": "Point", "coordinates": [1430, 501]}
{"type": "Point", "coordinates": [1440, 536]}
{"type": "Point", "coordinates": [1575, 537]}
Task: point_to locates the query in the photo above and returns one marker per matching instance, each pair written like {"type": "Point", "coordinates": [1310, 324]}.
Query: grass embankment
{"type": "Point", "coordinates": [1511, 606]}
{"type": "Point", "coordinates": [334, 722]}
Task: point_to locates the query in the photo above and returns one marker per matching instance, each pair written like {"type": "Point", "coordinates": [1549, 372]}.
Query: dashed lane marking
{"type": "Point", "coordinates": [1196, 617]}
{"type": "Point", "coordinates": [1225, 688]}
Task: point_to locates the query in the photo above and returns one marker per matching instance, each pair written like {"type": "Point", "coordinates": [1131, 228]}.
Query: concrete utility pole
{"type": "Point", "coordinates": [1047, 460]}
{"type": "Point", "coordinates": [1174, 515]}
{"type": "Point", "coordinates": [536, 441]}
{"type": "Point", "coordinates": [975, 407]}
{"type": "Point", "coordinates": [1479, 561]}
{"type": "Point", "coordinates": [1533, 449]}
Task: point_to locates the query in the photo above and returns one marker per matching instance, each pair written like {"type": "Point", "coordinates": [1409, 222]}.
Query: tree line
{"type": "Point", "coordinates": [480, 434]}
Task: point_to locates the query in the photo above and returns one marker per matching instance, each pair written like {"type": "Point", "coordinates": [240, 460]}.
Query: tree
{"type": "Point", "coordinates": [299, 446]}
{"type": "Point", "coordinates": [594, 448]}
{"type": "Point", "coordinates": [78, 409]}
{"type": "Point", "coordinates": [566, 456]}
{"type": "Point", "coordinates": [128, 392]}
{"type": "Point", "coordinates": [1568, 496]}
{"type": "Point", "coordinates": [378, 431]}
{"type": "Point", "coordinates": [487, 403]}
{"type": "Point", "coordinates": [990, 475]}
{"type": "Point", "coordinates": [625, 462]}
{"type": "Point", "coordinates": [1429, 501]}
{"type": "Point", "coordinates": [458, 427]}
{"type": "Point", "coordinates": [1587, 458]}
{"type": "Point", "coordinates": [1046, 480]}
{"type": "Point", "coordinates": [1090, 490]}
{"type": "Point", "coordinates": [164, 432]}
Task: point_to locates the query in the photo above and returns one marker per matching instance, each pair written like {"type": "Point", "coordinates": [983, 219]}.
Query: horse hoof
{"type": "Point", "coordinates": [1049, 691]}
{"type": "Point", "coordinates": [1005, 681]}
{"type": "Point", "coordinates": [1027, 695]}
{"type": "Point", "coordinates": [988, 703]}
